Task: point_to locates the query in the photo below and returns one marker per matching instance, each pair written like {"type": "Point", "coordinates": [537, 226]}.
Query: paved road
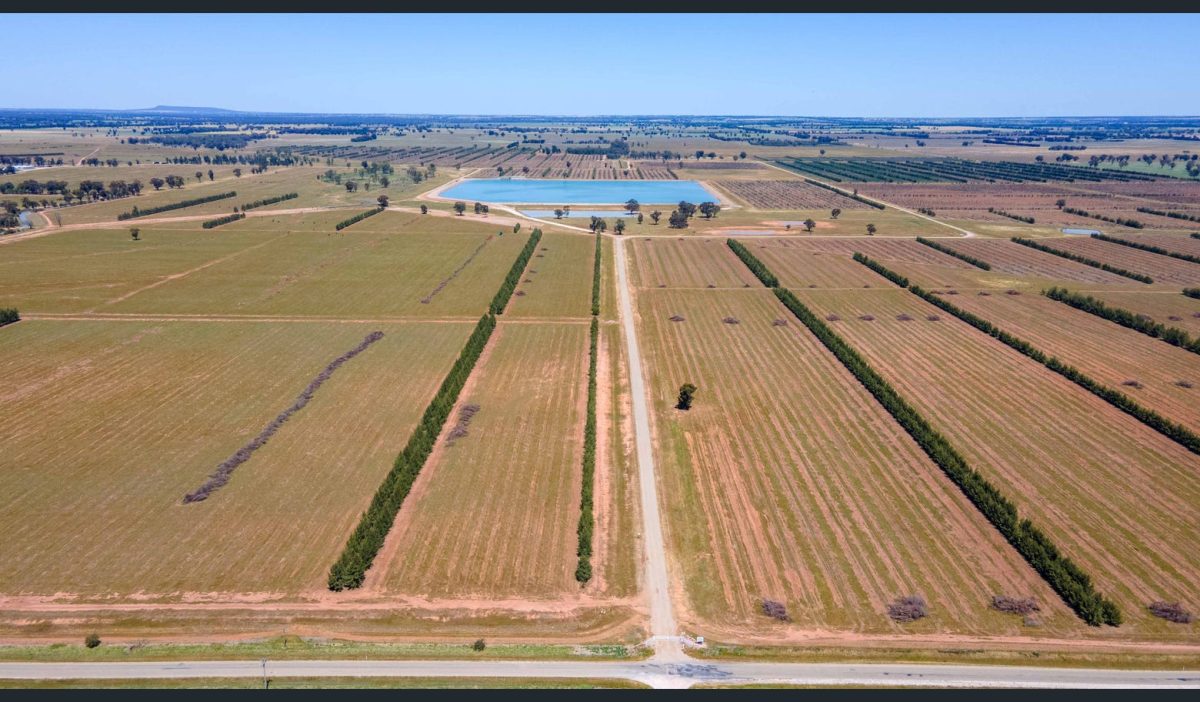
{"type": "Point", "coordinates": [657, 674]}
{"type": "Point", "coordinates": [656, 583]}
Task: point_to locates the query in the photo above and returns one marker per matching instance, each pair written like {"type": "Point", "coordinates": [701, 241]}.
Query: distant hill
{"type": "Point", "coordinates": [183, 110]}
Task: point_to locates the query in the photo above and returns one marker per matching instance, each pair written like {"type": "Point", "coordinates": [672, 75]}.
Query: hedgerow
{"type": "Point", "coordinates": [357, 218]}
{"type": "Point", "coordinates": [1067, 579]}
{"type": "Point", "coordinates": [223, 220]}
{"type": "Point", "coordinates": [269, 201]}
{"type": "Point", "coordinates": [364, 544]}
{"type": "Point", "coordinates": [760, 271]}
{"type": "Point", "coordinates": [881, 270]}
{"type": "Point", "coordinates": [500, 301]}
{"type": "Point", "coordinates": [587, 521]}
{"type": "Point", "coordinates": [1168, 213]}
{"type": "Point", "coordinates": [1136, 322]}
{"type": "Point", "coordinates": [8, 315]}
{"type": "Point", "coordinates": [1083, 259]}
{"type": "Point", "coordinates": [596, 280]}
{"type": "Point", "coordinates": [1147, 247]}
{"type": "Point", "coordinates": [1019, 218]}
{"type": "Point", "coordinates": [136, 212]}
{"type": "Point", "coordinates": [951, 252]}
{"type": "Point", "coordinates": [1131, 223]}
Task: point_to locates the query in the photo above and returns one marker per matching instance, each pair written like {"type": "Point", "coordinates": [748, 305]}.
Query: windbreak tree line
{"type": "Point", "coordinates": [1147, 247]}
{"type": "Point", "coordinates": [223, 220]}
{"type": "Point", "coordinates": [1083, 259]}
{"type": "Point", "coordinates": [500, 301]}
{"type": "Point", "coordinates": [1067, 579]}
{"type": "Point", "coordinates": [269, 201]}
{"type": "Point", "coordinates": [357, 218]}
{"type": "Point", "coordinates": [978, 263]}
{"type": "Point", "coordinates": [138, 212]}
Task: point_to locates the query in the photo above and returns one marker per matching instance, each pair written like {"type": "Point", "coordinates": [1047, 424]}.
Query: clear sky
{"type": "Point", "coordinates": [823, 65]}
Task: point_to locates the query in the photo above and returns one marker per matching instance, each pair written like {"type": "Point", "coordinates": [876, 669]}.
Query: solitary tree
{"type": "Point", "coordinates": [619, 228]}
{"type": "Point", "coordinates": [632, 205]}
{"type": "Point", "coordinates": [677, 220]}
{"type": "Point", "coordinates": [709, 209]}
{"type": "Point", "coordinates": [517, 228]}
{"type": "Point", "coordinates": [92, 640]}
{"type": "Point", "coordinates": [478, 207]}
{"type": "Point", "coordinates": [809, 225]}
{"type": "Point", "coordinates": [686, 392]}
{"type": "Point", "coordinates": [871, 230]}
{"type": "Point", "coordinates": [211, 176]}
{"type": "Point", "coordinates": [639, 218]}
{"type": "Point", "coordinates": [351, 186]}
{"type": "Point", "coordinates": [460, 207]}
{"type": "Point", "coordinates": [558, 213]}
{"type": "Point", "coordinates": [157, 183]}
{"type": "Point", "coordinates": [199, 176]}
{"type": "Point", "coordinates": [835, 213]}
{"type": "Point", "coordinates": [1060, 203]}
{"type": "Point", "coordinates": [135, 233]}
{"type": "Point", "coordinates": [383, 201]}
{"type": "Point", "coordinates": [424, 209]}
{"type": "Point", "coordinates": [655, 216]}
{"type": "Point", "coordinates": [237, 173]}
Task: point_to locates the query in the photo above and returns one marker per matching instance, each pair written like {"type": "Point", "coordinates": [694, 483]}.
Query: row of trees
{"type": "Point", "coordinates": [1083, 259]}
{"type": "Point", "coordinates": [500, 301]}
{"type": "Point", "coordinates": [852, 195]}
{"type": "Point", "coordinates": [8, 315]}
{"type": "Point", "coordinates": [587, 520]}
{"type": "Point", "coordinates": [1122, 221]}
{"type": "Point", "coordinates": [596, 280]}
{"type": "Point", "coordinates": [1168, 213]}
{"type": "Point", "coordinates": [760, 271]}
{"type": "Point", "coordinates": [357, 218]}
{"type": "Point", "coordinates": [1137, 322]}
{"type": "Point", "coordinates": [269, 201]}
{"type": "Point", "coordinates": [138, 212]}
{"type": "Point", "coordinates": [223, 220]}
{"type": "Point", "coordinates": [1148, 247]}
{"type": "Point", "coordinates": [978, 263]}
{"type": "Point", "coordinates": [363, 545]}
{"type": "Point", "coordinates": [1019, 218]}
{"type": "Point", "coordinates": [1064, 576]}
{"type": "Point", "coordinates": [881, 269]}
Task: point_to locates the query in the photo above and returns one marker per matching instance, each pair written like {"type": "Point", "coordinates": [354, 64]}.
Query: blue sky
{"type": "Point", "coordinates": [827, 65]}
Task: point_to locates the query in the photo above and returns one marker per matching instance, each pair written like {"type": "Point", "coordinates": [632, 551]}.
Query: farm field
{"type": "Point", "coordinates": [143, 411]}
{"type": "Point", "coordinates": [798, 266]}
{"type": "Point", "coordinates": [1168, 308]}
{"type": "Point", "coordinates": [686, 263]}
{"type": "Point", "coordinates": [824, 505]}
{"type": "Point", "coordinates": [1163, 269]}
{"type": "Point", "coordinates": [1104, 350]}
{"type": "Point", "coordinates": [558, 280]}
{"type": "Point", "coordinates": [1014, 259]}
{"type": "Point", "coordinates": [787, 195]}
{"type": "Point", "coordinates": [1117, 497]}
{"type": "Point", "coordinates": [493, 514]}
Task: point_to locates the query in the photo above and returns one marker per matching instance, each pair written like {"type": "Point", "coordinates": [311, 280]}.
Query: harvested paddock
{"type": "Point", "coordinates": [494, 515]}
{"type": "Point", "coordinates": [824, 505]}
{"type": "Point", "coordinates": [798, 266]}
{"type": "Point", "coordinates": [385, 272]}
{"type": "Point", "coordinates": [1105, 351]}
{"type": "Point", "coordinates": [177, 398]}
{"type": "Point", "coordinates": [562, 285]}
{"type": "Point", "coordinates": [1163, 269]}
{"type": "Point", "coordinates": [1175, 243]}
{"type": "Point", "coordinates": [885, 250]}
{"type": "Point", "coordinates": [687, 263]}
{"type": "Point", "coordinates": [1120, 499]}
{"type": "Point", "coordinates": [1014, 259]}
{"type": "Point", "coordinates": [787, 195]}
{"type": "Point", "coordinates": [1166, 307]}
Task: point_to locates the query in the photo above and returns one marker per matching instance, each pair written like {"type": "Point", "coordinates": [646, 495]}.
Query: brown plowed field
{"type": "Point", "coordinates": [558, 279]}
{"type": "Point", "coordinates": [798, 266]}
{"type": "Point", "coordinates": [1163, 269]}
{"type": "Point", "coordinates": [1014, 259]}
{"type": "Point", "coordinates": [1169, 307]}
{"type": "Point", "coordinates": [686, 263]}
{"type": "Point", "coordinates": [1120, 499]}
{"type": "Point", "coordinates": [788, 481]}
{"type": "Point", "coordinates": [1102, 349]}
{"type": "Point", "coordinates": [493, 514]}
{"type": "Point", "coordinates": [787, 195]}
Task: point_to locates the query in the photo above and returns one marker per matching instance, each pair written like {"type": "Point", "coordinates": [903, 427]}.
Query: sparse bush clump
{"type": "Point", "coordinates": [779, 323]}
{"type": "Point", "coordinates": [92, 640]}
{"type": "Point", "coordinates": [908, 609]}
{"type": "Point", "coordinates": [775, 610]}
{"type": "Point", "coordinates": [731, 320]}
{"type": "Point", "coordinates": [677, 318]}
{"type": "Point", "coordinates": [687, 392]}
{"type": "Point", "coordinates": [479, 645]}
{"type": "Point", "coordinates": [1015, 605]}
{"type": "Point", "coordinates": [1171, 611]}
{"type": "Point", "coordinates": [465, 413]}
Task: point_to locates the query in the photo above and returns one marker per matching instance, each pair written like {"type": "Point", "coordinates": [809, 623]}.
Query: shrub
{"type": "Point", "coordinates": [1083, 259]}
{"type": "Point", "coordinates": [951, 252]}
{"type": "Point", "coordinates": [8, 315]}
{"type": "Point", "coordinates": [1193, 293]}
{"type": "Point", "coordinates": [677, 318]}
{"type": "Point", "coordinates": [687, 392]}
{"type": "Point", "coordinates": [223, 220]}
{"type": "Point", "coordinates": [357, 218]}
{"type": "Point", "coordinates": [775, 610]}
{"type": "Point", "coordinates": [136, 212]}
{"type": "Point", "coordinates": [731, 320]}
{"type": "Point", "coordinates": [479, 645]}
{"type": "Point", "coordinates": [1015, 605]}
{"type": "Point", "coordinates": [91, 640]}
{"type": "Point", "coordinates": [1171, 611]}
{"type": "Point", "coordinates": [908, 609]}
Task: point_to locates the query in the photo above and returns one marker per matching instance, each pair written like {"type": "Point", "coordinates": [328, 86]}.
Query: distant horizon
{"type": "Point", "coordinates": [930, 66]}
